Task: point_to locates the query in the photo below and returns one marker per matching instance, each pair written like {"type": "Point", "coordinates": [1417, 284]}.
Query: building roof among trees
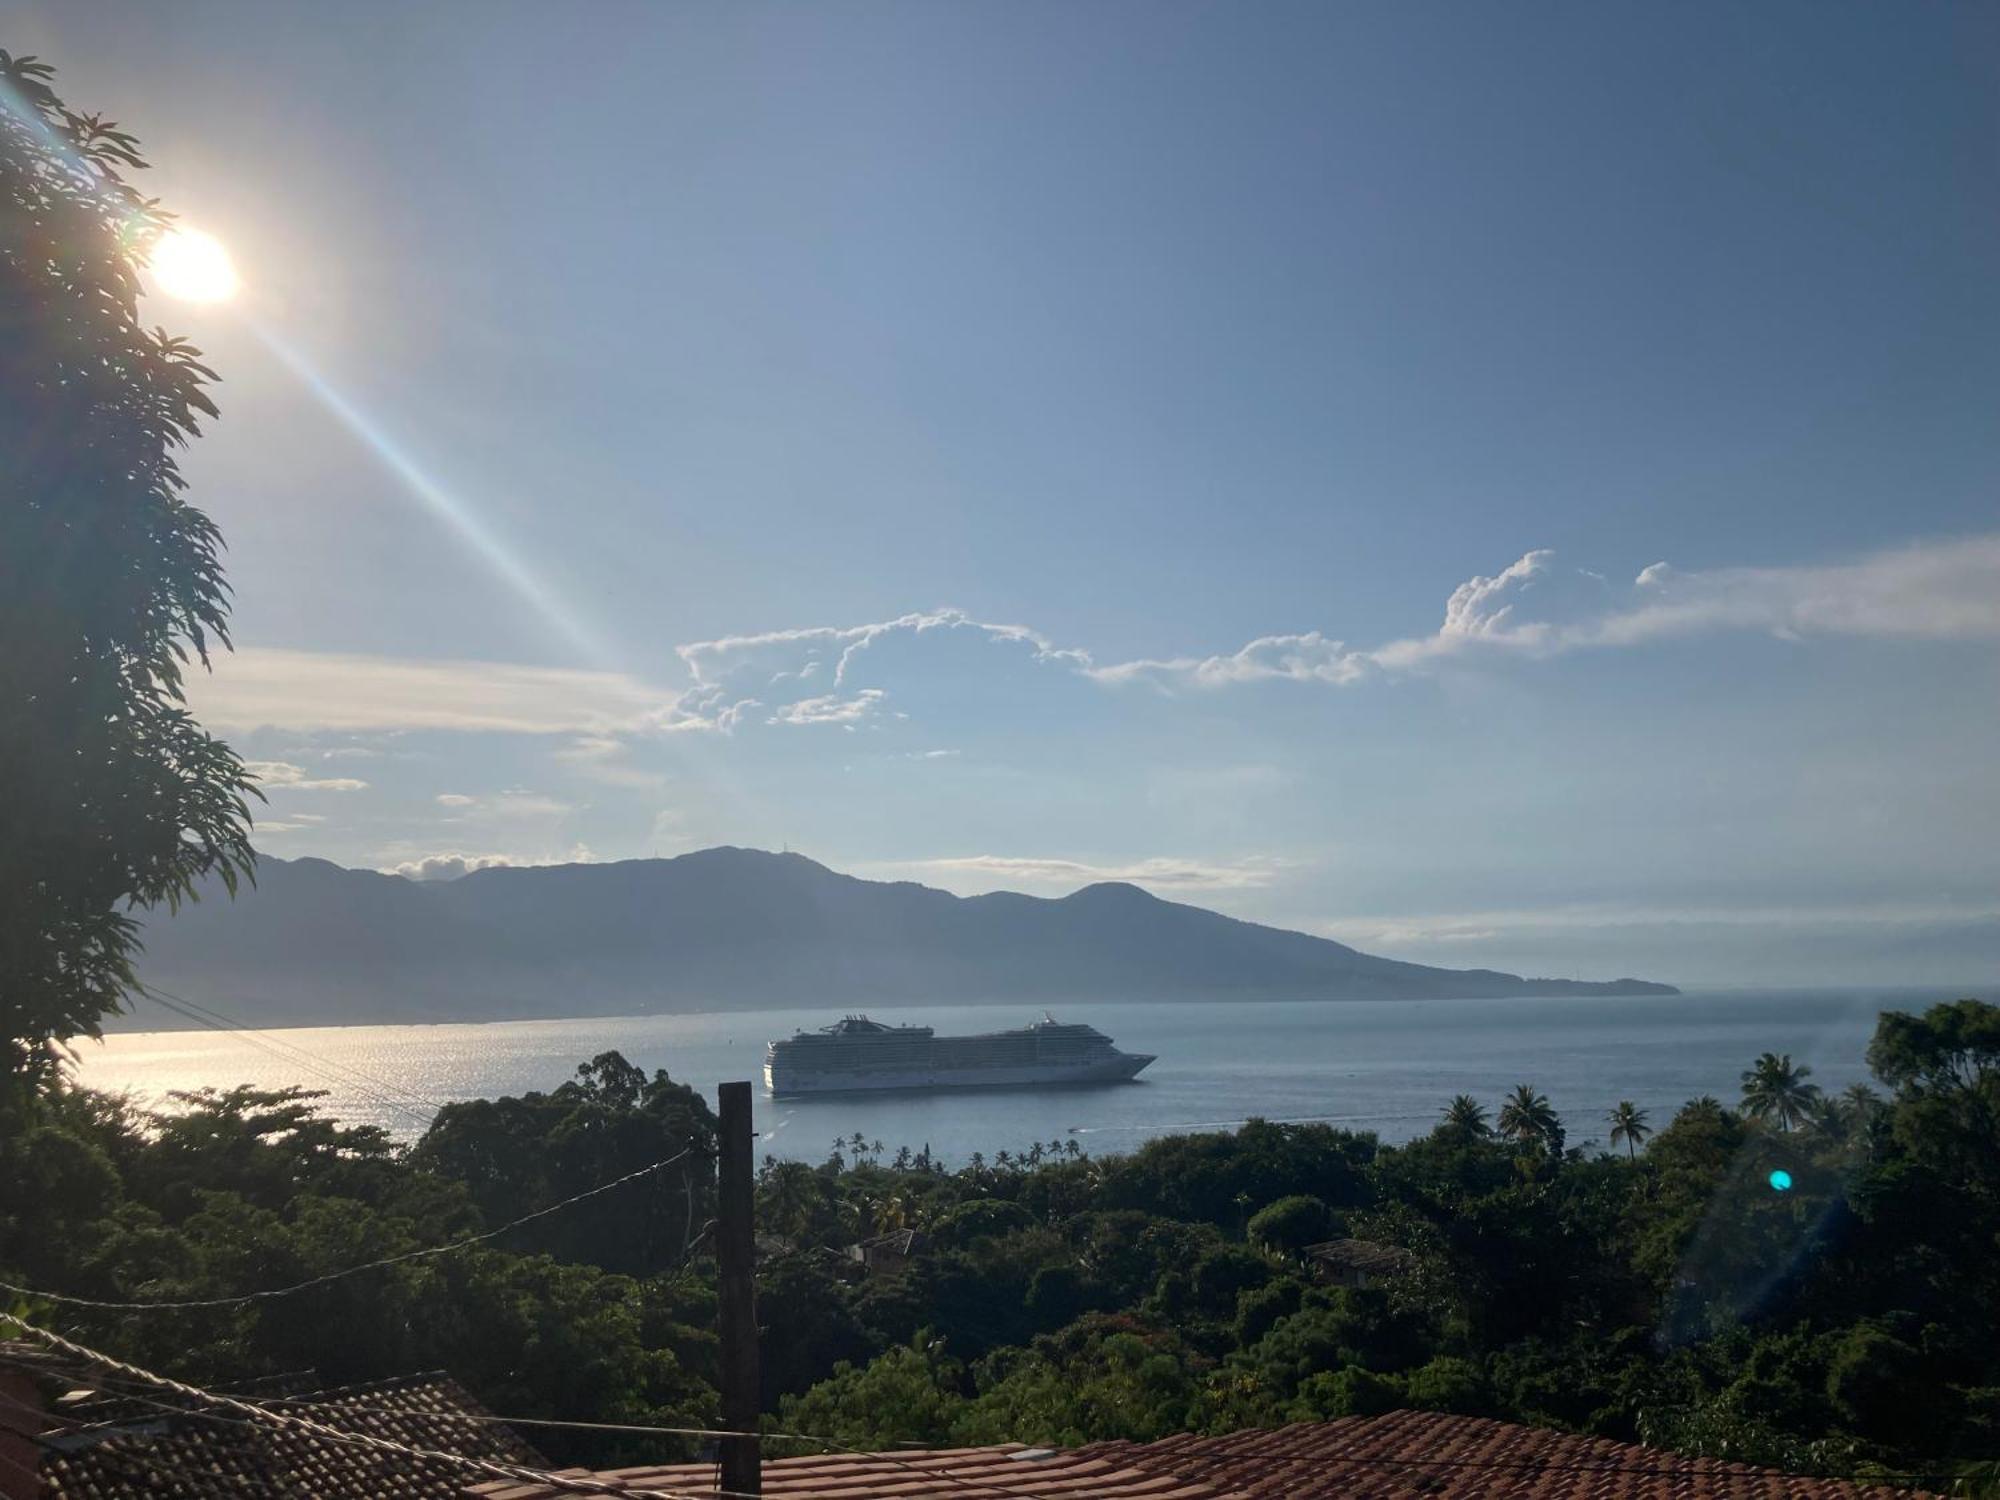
{"type": "Point", "coordinates": [104, 1446]}
{"type": "Point", "coordinates": [1401, 1456]}
{"type": "Point", "coordinates": [1359, 1256]}
{"type": "Point", "coordinates": [1440, 1456]}
{"type": "Point", "coordinates": [988, 1473]}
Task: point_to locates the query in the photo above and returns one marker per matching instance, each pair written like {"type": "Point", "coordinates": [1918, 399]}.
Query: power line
{"type": "Point", "coordinates": [1185, 1466]}
{"type": "Point", "coordinates": [385, 1103]}
{"type": "Point", "coordinates": [133, 1463]}
{"type": "Point", "coordinates": [519, 1473]}
{"type": "Point", "coordinates": [377, 1092]}
{"type": "Point", "coordinates": [270, 1036]}
{"type": "Point", "coordinates": [1182, 1465]}
{"type": "Point", "coordinates": [387, 1260]}
{"type": "Point", "coordinates": [825, 1446]}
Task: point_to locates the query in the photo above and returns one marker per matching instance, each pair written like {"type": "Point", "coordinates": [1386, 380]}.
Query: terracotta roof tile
{"type": "Point", "coordinates": [1007, 1471]}
{"type": "Point", "coordinates": [195, 1458]}
{"type": "Point", "coordinates": [1410, 1454]}
{"type": "Point", "coordinates": [1402, 1456]}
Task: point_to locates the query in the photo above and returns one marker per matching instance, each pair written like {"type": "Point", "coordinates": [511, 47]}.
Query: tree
{"type": "Point", "coordinates": [791, 1199]}
{"type": "Point", "coordinates": [517, 1155]}
{"type": "Point", "coordinates": [1954, 1047]}
{"type": "Point", "coordinates": [1465, 1119]}
{"type": "Point", "coordinates": [1289, 1225]}
{"type": "Point", "coordinates": [1530, 1121]}
{"type": "Point", "coordinates": [912, 1393]}
{"type": "Point", "coordinates": [1775, 1088]}
{"type": "Point", "coordinates": [110, 584]}
{"type": "Point", "coordinates": [1628, 1125]}
{"type": "Point", "coordinates": [1945, 1068]}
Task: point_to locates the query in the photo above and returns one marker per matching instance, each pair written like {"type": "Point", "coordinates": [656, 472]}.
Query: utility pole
{"type": "Point", "coordinates": [736, 1303]}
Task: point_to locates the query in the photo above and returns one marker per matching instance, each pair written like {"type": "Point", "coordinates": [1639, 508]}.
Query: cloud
{"type": "Point", "coordinates": [315, 692]}
{"type": "Point", "coordinates": [282, 773]}
{"type": "Point", "coordinates": [429, 867]}
{"type": "Point", "coordinates": [995, 871]}
{"type": "Point", "coordinates": [601, 757]}
{"type": "Point", "coordinates": [1607, 916]}
{"type": "Point", "coordinates": [455, 799]}
{"type": "Point", "coordinates": [1935, 591]}
{"type": "Point", "coordinates": [776, 652]}
{"type": "Point", "coordinates": [1536, 607]}
{"type": "Point", "coordinates": [830, 709]}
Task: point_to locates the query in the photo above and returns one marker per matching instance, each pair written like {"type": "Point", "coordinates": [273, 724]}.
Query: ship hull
{"type": "Point", "coordinates": [791, 1082]}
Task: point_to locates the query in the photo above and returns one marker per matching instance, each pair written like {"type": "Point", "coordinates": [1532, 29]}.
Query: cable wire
{"type": "Point", "coordinates": [988, 1487]}
{"type": "Point", "coordinates": [376, 1092]}
{"type": "Point", "coordinates": [273, 1038]}
{"type": "Point", "coordinates": [519, 1473]}
{"type": "Point", "coordinates": [185, 1304]}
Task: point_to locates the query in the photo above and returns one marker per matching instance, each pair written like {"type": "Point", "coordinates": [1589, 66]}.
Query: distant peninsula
{"type": "Point", "coordinates": [313, 943]}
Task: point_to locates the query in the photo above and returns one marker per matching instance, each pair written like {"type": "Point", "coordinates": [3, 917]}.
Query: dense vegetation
{"type": "Point", "coordinates": [110, 585]}
{"type": "Point", "coordinates": [1668, 1290]}
{"type": "Point", "coordinates": [1797, 1280]}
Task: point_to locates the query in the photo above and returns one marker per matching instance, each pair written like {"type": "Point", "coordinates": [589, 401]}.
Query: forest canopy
{"type": "Point", "coordinates": [1665, 1290]}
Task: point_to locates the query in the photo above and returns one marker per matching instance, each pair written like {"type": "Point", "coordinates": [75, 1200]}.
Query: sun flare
{"type": "Point", "coordinates": [193, 267]}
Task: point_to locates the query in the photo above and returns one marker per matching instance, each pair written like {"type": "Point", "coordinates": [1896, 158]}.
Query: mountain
{"type": "Point", "coordinates": [313, 943]}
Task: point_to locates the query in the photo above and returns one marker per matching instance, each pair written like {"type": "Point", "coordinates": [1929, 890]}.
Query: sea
{"type": "Point", "coordinates": [1383, 1066]}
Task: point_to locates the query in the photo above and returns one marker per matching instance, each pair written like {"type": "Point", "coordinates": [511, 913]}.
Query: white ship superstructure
{"type": "Point", "coordinates": [857, 1054]}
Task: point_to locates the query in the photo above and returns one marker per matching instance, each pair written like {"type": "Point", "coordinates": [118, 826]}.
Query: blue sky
{"type": "Point", "coordinates": [1228, 447]}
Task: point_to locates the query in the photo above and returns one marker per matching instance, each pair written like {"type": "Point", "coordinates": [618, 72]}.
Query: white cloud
{"type": "Point", "coordinates": [517, 804]}
{"type": "Point", "coordinates": [309, 692]}
{"type": "Point", "coordinates": [273, 774]}
{"type": "Point", "coordinates": [451, 866]}
{"type": "Point", "coordinates": [601, 757]}
{"type": "Point", "coordinates": [775, 652]}
{"type": "Point", "coordinates": [1535, 607]}
{"type": "Point", "coordinates": [997, 871]}
{"type": "Point", "coordinates": [1936, 591]}
{"type": "Point", "coordinates": [1475, 926]}
{"type": "Point", "coordinates": [830, 709]}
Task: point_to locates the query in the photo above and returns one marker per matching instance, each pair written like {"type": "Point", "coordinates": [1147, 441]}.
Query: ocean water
{"type": "Point", "coordinates": [1384, 1066]}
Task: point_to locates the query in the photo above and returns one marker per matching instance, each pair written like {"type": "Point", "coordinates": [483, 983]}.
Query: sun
{"type": "Point", "coordinates": [193, 267]}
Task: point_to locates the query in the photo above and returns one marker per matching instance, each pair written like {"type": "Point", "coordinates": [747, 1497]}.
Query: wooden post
{"type": "Point", "coordinates": [736, 1304]}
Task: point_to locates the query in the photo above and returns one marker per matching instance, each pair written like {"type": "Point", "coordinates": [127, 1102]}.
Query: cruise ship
{"type": "Point", "coordinates": [856, 1054]}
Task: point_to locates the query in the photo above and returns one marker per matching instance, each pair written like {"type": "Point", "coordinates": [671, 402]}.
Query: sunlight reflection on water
{"type": "Point", "coordinates": [1386, 1066]}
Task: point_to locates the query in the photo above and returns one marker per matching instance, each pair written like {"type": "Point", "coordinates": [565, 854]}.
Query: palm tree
{"type": "Point", "coordinates": [789, 1196]}
{"type": "Point", "coordinates": [1774, 1087]}
{"type": "Point", "coordinates": [1528, 1119]}
{"type": "Point", "coordinates": [1465, 1118]}
{"type": "Point", "coordinates": [1628, 1124]}
{"type": "Point", "coordinates": [1844, 1117]}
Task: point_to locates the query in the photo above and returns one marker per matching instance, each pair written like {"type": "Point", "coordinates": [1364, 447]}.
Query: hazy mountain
{"type": "Point", "coordinates": [733, 928]}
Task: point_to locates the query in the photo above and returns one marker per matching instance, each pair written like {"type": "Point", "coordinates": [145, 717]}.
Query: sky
{"type": "Point", "coordinates": [1509, 486]}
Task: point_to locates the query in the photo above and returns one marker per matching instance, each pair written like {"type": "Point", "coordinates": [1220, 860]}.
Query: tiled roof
{"type": "Point", "coordinates": [1006, 1471]}
{"type": "Point", "coordinates": [1359, 1255]}
{"type": "Point", "coordinates": [195, 1458]}
{"type": "Point", "coordinates": [1437, 1456]}
{"type": "Point", "coordinates": [1405, 1455]}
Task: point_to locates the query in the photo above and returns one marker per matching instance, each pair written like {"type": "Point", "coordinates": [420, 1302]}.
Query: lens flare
{"type": "Point", "coordinates": [193, 267]}
{"type": "Point", "coordinates": [1781, 1180]}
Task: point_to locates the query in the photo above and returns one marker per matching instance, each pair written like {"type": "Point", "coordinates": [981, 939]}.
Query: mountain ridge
{"type": "Point", "coordinates": [315, 943]}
